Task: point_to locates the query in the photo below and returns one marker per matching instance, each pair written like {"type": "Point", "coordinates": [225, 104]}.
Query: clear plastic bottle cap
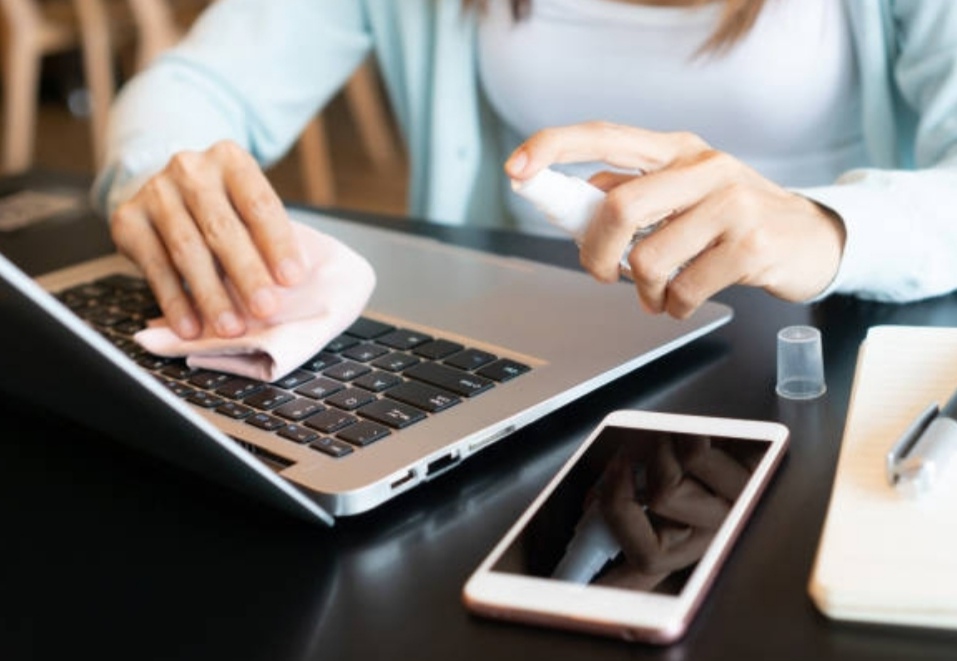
{"type": "Point", "coordinates": [800, 363]}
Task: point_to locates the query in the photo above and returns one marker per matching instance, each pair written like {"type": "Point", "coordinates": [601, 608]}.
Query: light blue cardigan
{"type": "Point", "coordinates": [255, 71]}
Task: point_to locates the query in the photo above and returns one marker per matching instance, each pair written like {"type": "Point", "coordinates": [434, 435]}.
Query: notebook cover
{"type": "Point", "coordinates": [885, 557]}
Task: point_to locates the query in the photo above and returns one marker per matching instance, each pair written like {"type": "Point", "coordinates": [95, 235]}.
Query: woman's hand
{"type": "Point", "coordinates": [726, 224]}
{"type": "Point", "coordinates": [205, 217]}
{"type": "Point", "coordinates": [689, 488]}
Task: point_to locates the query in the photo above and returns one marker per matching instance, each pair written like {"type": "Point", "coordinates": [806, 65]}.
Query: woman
{"type": "Point", "coordinates": [803, 146]}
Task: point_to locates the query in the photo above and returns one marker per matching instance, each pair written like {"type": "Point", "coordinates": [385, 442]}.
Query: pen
{"type": "Point", "coordinates": [918, 457]}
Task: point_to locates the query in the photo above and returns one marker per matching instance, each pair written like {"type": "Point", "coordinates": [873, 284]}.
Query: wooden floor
{"type": "Point", "coordinates": [63, 144]}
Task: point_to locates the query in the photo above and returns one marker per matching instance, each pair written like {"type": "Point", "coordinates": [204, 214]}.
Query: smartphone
{"type": "Point", "coordinates": [628, 537]}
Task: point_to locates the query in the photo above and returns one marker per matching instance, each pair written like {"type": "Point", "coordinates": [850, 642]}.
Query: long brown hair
{"type": "Point", "coordinates": [737, 17]}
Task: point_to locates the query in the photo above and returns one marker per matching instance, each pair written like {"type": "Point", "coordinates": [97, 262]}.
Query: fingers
{"type": "Point", "coordinates": [651, 546]}
{"type": "Point", "coordinates": [746, 231]}
{"type": "Point", "coordinates": [258, 204]}
{"type": "Point", "coordinates": [713, 467]}
{"type": "Point", "coordinates": [625, 516]}
{"type": "Point", "coordinates": [208, 217]}
{"type": "Point", "coordinates": [646, 200]}
{"type": "Point", "coordinates": [620, 146]}
{"type": "Point", "coordinates": [678, 496]}
{"type": "Point", "coordinates": [135, 237]}
{"type": "Point", "coordinates": [227, 239]}
{"type": "Point", "coordinates": [191, 258]}
{"type": "Point", "coordinates": [719, 222]}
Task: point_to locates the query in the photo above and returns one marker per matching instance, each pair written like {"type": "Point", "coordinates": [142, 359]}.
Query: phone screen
{"type": "Point", "coordinates": [637, 511]}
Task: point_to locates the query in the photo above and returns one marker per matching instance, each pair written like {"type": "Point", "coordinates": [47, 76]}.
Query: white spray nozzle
{"type": "Point", "coordinates": [568, 202]}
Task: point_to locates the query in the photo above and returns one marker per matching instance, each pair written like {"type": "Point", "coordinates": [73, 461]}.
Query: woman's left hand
{"type": "Point", "coordinates": [726, 223]}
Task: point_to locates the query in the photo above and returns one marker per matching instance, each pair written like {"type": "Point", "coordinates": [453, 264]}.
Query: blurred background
{"type": "Point", "coordinates": [64, 60]}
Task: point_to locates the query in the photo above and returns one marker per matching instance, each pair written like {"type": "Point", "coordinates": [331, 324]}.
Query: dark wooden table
{"type": "Point", "coordinates": [108, 554]}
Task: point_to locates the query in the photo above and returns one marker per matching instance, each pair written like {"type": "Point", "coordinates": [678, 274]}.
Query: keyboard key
{"type": "Point", "coordinates": [341, 343]}
{"type": "Point", "coordinates": [347, 371]}
{"type": "Point", "coordinates": [139, 305]}
{"type": "Point", "coordinates": [235, 410]}
{"type": "Point", "coordinates": [423, 396]}
{"type": "Point", "coordinates": [470, 359]}
{"type": "Point", "coordinates": [85, 291]}
{"type": "Point", "coordinates": [239, 388]}
{"type": "Point", "coordinates": [321, 361]}
{"type": "Point", "coordinates": [331, 447]}
{"type": "Point", "coordinates": [363, 433]}
{"type": "Point", "coordinates": [208, 380]}
{"type": "Point", "coordinates": [503, 370]}
{"type": "Point", "coordinates": [298, 409]}
{"type": "Point", "coordinates": [350, 399]}
{"type": "Point", "coordinates": [395, 362]}
{"type": "Point", "coordinates": [392, 413]}
{"type": "Point", "coordinates": [124, 282]}
{"type": "Point", "coordinates": [130, 327]}
{"type": "Point", "coordinates": [205, 399]}
{"type": "Point", "coordinates": [177, 370]}
{"type": "Point", "coordinates": [298, 434]}
{"type": "Point", "coordinates": [320, 388]}
{"type": "Point", "coordinates": [129, 347]}
{"type": "Point", "coordinates": [449, 378]}
{"type": "Point", "coordinates": [367, 329]}
{"type": "Point", "coordinates": [365, 352]}
{"type": "Point", "coordinates": [177, 388]}
{"type": "Point", "coordinates": [330, 421]}
{"type": "Point", "coordinates": [105, 317]}
{"type": "Point", "coordinates": [437, 349]}
{"type": "Point", "coordinates": [268, 398]}
{"type": "Point", "coordinates": [377, 381]}
{"type": "Point", "coordinates": [150, 362]}
{"type": "Point", "coordinates": [295, 379]}
{"type": "Point", "coordinates": [403, 339]}
{"type": "Point", "coordinates": [265, 421]}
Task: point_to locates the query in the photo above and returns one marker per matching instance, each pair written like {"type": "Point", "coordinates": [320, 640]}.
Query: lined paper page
{"type": "Point", "coordinates": [882, 556]}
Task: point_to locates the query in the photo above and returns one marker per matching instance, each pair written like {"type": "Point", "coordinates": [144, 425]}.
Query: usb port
{"type": "Point", "coordinates": [441, 464]}
{"type": "Point", "coordinates": [403, 479]}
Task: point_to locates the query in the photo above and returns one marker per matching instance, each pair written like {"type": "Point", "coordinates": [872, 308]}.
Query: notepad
{"type": "Point", "coordinates": [884, 557]}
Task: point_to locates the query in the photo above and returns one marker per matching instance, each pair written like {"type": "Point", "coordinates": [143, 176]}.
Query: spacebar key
{"type": "Point", "coordinates": [449, 378]}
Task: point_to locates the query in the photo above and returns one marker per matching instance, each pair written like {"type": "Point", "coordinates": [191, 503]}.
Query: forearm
{"type": "Point", "coordinates": [159, 113]}
{"type": "Point", "coordinates": [250, 71]}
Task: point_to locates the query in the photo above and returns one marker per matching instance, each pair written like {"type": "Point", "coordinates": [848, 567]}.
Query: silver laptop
{"type": "Point", "coordinates": [456, 351]}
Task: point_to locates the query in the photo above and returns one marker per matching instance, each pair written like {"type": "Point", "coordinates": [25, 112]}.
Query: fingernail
{"type": "Point", "coordinates": [516, 163]}
{"type": "Point", "coordinates": [290, 271]}
{"type": "Point", "coordinates": [264, 302]}
{"type": "Point", "coordinates": [187, 327]}
{"type": "Point", "coordinates": [228, 324]}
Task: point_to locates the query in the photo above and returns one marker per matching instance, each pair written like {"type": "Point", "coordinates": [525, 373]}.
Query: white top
{"type": "Point", "coordinates": [785, 99]}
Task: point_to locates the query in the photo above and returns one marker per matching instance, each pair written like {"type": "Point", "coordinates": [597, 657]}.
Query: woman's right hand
{"type": "Point", "coordinates": [206, 217]}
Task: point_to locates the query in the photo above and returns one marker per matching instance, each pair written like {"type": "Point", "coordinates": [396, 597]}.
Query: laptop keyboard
{"type": "Point", "coordinates": [364, 386]}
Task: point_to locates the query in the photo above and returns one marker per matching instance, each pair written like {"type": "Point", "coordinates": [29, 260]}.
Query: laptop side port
{"type": "Point", "coordinates": [442, 464]}
{"type": "Point", "coordinates": [403, 480]}
{"type": "Point", "coordinates": [488, 440]}
{"type": "Point", "coordinates": [274, 461]}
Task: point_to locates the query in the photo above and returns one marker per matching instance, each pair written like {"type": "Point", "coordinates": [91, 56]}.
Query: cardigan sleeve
{"type": "Point", "coordinates": [901, 220]}
{"type": "Point", "coordinates": [250, 71]}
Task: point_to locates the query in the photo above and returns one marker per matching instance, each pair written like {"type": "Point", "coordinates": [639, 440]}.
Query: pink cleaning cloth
{"type": "Point", "coordinates": [337, 287]}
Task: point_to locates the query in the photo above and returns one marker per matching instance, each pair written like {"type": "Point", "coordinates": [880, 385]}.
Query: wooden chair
{"type": "Point", "coordinates": [34, 29]}
{"type": "Point", "coordinates": [162, 22]}
{"type": "Point", "coordinates": [368, 110]}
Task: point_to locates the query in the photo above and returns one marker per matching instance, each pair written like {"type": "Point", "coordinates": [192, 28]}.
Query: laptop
{"type": "Point", "coordinates": [456, 350]}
